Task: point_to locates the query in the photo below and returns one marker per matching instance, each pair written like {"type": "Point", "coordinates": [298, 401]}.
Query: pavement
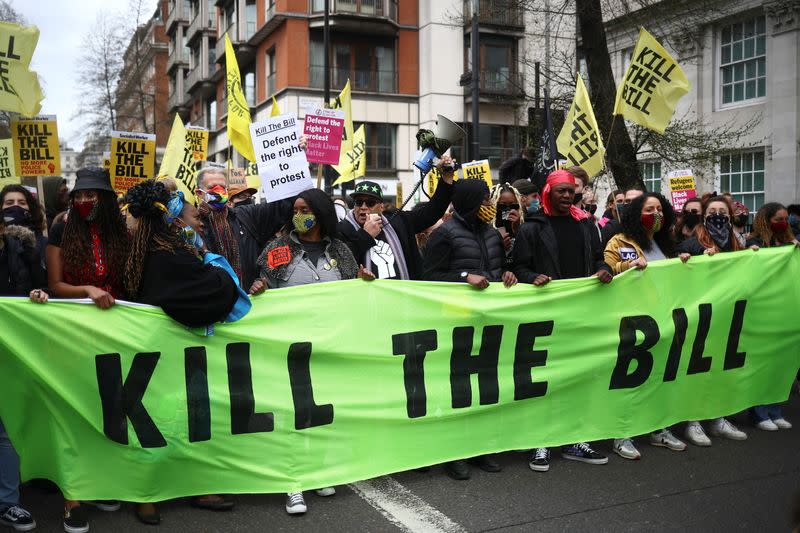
{"type": "Point", "coordinates": [731, 486]}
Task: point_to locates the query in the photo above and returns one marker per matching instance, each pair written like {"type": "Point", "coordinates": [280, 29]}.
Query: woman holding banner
{"type": "Point", "coordinates": [21, 208]}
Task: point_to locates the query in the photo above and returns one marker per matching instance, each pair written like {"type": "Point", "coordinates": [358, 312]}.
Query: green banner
{"type": "Point", "coordinates": [327, 384]}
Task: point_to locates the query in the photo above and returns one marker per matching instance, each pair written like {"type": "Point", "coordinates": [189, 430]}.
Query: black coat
{"type": "Point", "coordinates": [21, 267]}
{"type": "Point", "coordinates": [254, 226]}
{"type": "Point", "coordinates": [189, 291]}
{"type": "Point", "coordinates": [406, 224]}
{"type": "Point", "coordinates": [536, 250]}
{"type": "Point", "coordinates": [456, 247]}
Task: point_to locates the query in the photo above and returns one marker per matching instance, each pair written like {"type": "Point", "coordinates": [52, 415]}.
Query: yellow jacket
{"type": "Point", "coordinates": [620, 251]}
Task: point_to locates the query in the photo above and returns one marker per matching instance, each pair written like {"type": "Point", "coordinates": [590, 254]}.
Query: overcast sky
{"type": "Point", "coordinates": [62, 25]}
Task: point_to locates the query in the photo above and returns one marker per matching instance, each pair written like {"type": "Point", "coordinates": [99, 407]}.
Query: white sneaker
{"type": "Point", "coordinates": [767, 425]}
{"type": "Point", "coordinates": [326, 491]}
{"type": "Point", "coordinates": [696, 435]}
{"type": "Point", "coordinates": [666, 439]}
{"type": "Point", "coordinates": [782, 423]}
{"type": "Point", "coordinates": [721, 427]}
{"type": "Point", "coordinates": [626, 449]}
{"type": "Point", "coordinates": [295, 503]}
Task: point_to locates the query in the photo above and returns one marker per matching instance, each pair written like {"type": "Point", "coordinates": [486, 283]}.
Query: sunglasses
{"type": "Point", "coordinates": [369, 202]}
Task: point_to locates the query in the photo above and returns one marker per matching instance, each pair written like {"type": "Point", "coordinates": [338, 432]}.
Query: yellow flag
{"type": "Point", "coordinates": [238, 108]}
{"type": "Point", "coordinates": [652, 86]}
{"type": "Point", "coordinates": [580, 139]}
{"type": "Point", "coordinates": [8, 173]}
{"type": "Point", "coordinates": [178, 162]}
{"type": "Point", "coordinates": [355, 160]}
{"type": "Point", "coordinates": [343, 102]}
{"type": "Point", "coordinates": [275, 111]}
{"type": "Point", "coordinates": [20, 91]}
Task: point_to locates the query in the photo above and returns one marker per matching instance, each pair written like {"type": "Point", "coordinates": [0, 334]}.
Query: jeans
{"type": "Point", "coordinates": [767, 412]}
{"type": "Point", "coordinates": [9, 471]}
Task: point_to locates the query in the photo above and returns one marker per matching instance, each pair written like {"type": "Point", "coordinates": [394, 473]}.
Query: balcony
{"type": "Point", "coordinates": [496, 14]}
{"type": "Point", "coordinates": [178, 58]}
{"type": "Point", "coordinates": [176, 102]}
{"type": "Point", "coordinates": [198, 82]}
{"type": "Point", "coordinates": [357, 16]}
{"type": "Point", "coordinates": [376, 81]}
{"type": "Point", "coordinates": [202, 23]}
{"type": "Point", "coordinates": [497, 85]}
{"type": "Point", "coordinates": [245, 51]}
{"type": "Point", "coordinates": [176, 15]}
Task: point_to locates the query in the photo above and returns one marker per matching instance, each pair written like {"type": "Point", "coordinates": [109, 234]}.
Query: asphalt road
{"type": "Point", "coordinates": [731, 486]}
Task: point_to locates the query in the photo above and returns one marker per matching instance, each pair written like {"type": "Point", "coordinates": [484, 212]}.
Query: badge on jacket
{"type": "Point", "coordinates": [628, 254]}
{"type": "Point", "coordinates": [279, 256]}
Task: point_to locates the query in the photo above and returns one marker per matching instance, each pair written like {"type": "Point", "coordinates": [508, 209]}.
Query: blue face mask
{"type": "Point", "coordinates": [191, 237]}
{"type": "Point", "coordinates": [535, 206]}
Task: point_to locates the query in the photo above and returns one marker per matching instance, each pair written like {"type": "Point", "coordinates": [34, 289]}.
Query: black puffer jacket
{"type": "Point", "coordinates": [536, 249]}
{"type": "Point", "coordinates": [456, 247]}
{"type": "Point", "coordinates": [21, 270]}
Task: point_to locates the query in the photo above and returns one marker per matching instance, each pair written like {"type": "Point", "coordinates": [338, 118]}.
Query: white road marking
{"type": "Point", "coordinates": [403, 508]}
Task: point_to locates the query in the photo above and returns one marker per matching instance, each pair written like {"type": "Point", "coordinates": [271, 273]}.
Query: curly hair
{"type": "Point", "coordinates": [762, 229]}
{"type": "Point", "coordinates": [700, 231]}
{"type": "Point", "coordinates": [632, 225]}
{"type": "Point", "coordinates": [37, 220]}
{"type": "Point", "coordinates": [76, 244]}
{"type": "Point", "coordinates": [146, 202]}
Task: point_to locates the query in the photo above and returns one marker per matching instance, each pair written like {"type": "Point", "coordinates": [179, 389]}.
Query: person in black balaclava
{"type": "Point", "coordinates": [467, 249]}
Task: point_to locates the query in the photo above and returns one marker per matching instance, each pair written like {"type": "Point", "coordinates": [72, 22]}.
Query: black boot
{"type": "Point", "coordinates": [457, 470]}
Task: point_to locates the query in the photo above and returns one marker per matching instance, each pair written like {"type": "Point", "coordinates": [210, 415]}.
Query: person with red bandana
{"type": "Point", "coordinates": [560, 242]}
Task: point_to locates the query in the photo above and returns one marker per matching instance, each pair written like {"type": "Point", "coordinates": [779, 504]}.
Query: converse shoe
{"type": "Point", "coordinates": [326, 491]}
{"type": "Point", "coordinates": [584, 453]}
{"type": "Point", "coordinates": [18, 518]}
{"type": "Point", "coordinates": [782, 423]}
{"type": "Point", "coordinates": [721, 427]}
{"type": "Point", "coordinates": [75, 520]}
{"type": "Point", "coordinates": [767, 425]}
{"type": "Point", "coordinates": [540, 462]}
{"type": "Point", "coordinates": [696, 435]}
{"type": "Point", "coordinates": [295, 503]}
{"type": "Point", "coordinates": [666, 439]}
{"type": "Point", "coordinates": [626, 449]}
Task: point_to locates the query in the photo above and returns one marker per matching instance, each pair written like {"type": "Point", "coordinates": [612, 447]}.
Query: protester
{"type": "Point", "coordinates": [510, 216]}
{"type": "Point", "coordinates": [645, 238]}
{"type": "Point", "coordinates": [241, 196]}
{"type": "Point", "coordinates": [771, 228]}
{"type": "Point", "coordinates": [560, 242]}
{"type": "Point", "coordinates": [387, 246]}
{"type": "Point", "coordinates": [21, 265]}
{"type": "Point", "coordinates": [21, 208]}
{"type": "Point", "coordinates": [739, 221]}
{"type": "Point", "coordinates": [713, 235]}
{"type": "Point", "coordinates": [467, 249]}
{"type": "Point", "coordinates": [615, 198]}
{"type": "Point", "coordinates": [529, 194]}
{"type": "Point", "coordinates": [424, 235]}
{"type": "Point", "coordinates": [86, 259]}
{"type": "Point", "coordinates": [589, 203]}
{"type": "Point", "coordinates": [615, 226]}
{"type": "Point", "coordinates": [56, 197]}
{"type": "Point", "coordinates": [691, 216]}
{"type": "Point", "coordinates": [794, 219]}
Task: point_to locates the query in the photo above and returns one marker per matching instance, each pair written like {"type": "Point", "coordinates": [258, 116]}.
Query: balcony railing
{"type": "Point", "coordinates": [379, 81]}
{"type": "Point", "coordinates": [178, 56]}
{"type": "Point", "coordinates": [176, 15]}
{"type": "Point", "coordinates": [506, 13]}
{"type": "Point", "coordinates": [175, 100]}
{"type": "Point", "coordinates": [501, 83]}
{"type": "Point", "coordinates": [194, 77]}
{"type": "Point", "coordinates": [372, 8]}
{"type": "Point", "coordinates": [202, 21]}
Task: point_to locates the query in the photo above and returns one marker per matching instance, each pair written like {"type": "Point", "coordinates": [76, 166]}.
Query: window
{"type": "Point", "coordinates": [212, 13]}
{"type": "Point", "coordinates": [380, 146]}
{"type": "Point", "coordinates": [742, 174]}
{"type": "Point", "coordinates": [187, 8]}
{"type": "Point", "coordinates": [228, 19]}
{"type": "Point", "coordinates": [250, 18]}
{"type": "Point", "coordinates": [212, 58]}
{"type": "Point", "coordinates": [368, 66]}
{"type": "Point", "coordinates": [743, 61]}
{"type": "Point", "coordinates": [627, 55]}
{"type": "Point", "coordinates": [195, 57]}
{"type": "Point", "coordinates": [194, 9]}
{"type": "Point", "coordinates": [211, 114]}
{"type": "Point", "coordinates": [271, 69]}
{"type": "Point", "coordinates": [249, 76]}
{"type": "Point", "coordinates": [651, 175]}
{"type": "Point", "coordinates": [498, 143]}
{"type": "Point", "coordinates": [186, 50]}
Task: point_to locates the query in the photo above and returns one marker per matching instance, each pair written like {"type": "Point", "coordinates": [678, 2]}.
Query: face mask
{"type": "Point", "coordinates": [487, 213]}
{"type": "Point", "coordinates": [718, 221]}
{"type": "Point", "coordinates": [690, 220]}
{"type": "Point", "coordinates": [591, 208]}
{"type": "Point", "coordinates": [578, 198]}
{"type": "Point", "coordinates": [794, 221]}
{"type": "Point", "coordinates": [719, 228]}
{"type": "Point", "coordinates": [779, 227]}
{"type": "Point", "coordinates": [535, 205]}
{"type": "Point", "coordinates": [192, 237]}
{"type": "Point", "coordinates": [216, 197]}
{"type": "Point", "coordinates": [249, 201]}
{"type": "Point", "coordinates": [652, 221]}
{"type": "Point", "coordinates": [303, 222]}
{"type": "Point", "coordinates": [16, 216]}
{"type": "Point", "coordinates": [86, 209]}
{"type": "Point", "coordinates": [621, 210]}
{"type": "Point", "coordinates": [740, 220]}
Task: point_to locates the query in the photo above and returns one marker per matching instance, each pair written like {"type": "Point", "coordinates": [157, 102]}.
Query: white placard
{"type": "Point", "coordinates": [282, 165]}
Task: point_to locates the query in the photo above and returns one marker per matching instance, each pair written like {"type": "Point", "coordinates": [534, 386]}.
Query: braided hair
{"type": "Point", "coordinates": [146, 202]}
{"type": "Point", "coordinates": [499, 189]}
{"type": "Point", "coordinates": [763, 230]}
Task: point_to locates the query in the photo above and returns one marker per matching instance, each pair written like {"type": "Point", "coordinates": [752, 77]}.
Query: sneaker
{"type": "Point", "coordinates": [782, 423]}
{"type": "Point", "coordinates": [584, 453]}
{"type": "Point", "coordinates": [105, 505]}
{"type": "Point", "coordinates": [18, 518]}
{"type": "Point", "coordinates": [75, 520]}
{"type": "Point", "coordinates": [721, 427]}
{"type": "Point", "coordinates": [767, 425]}
{"type": "Point", "coordinates": [696, 435]}
{"type": "Point", "coordinates": [326, 491]}
{"type": "Point", "coordinates": [540, 462]}
{"type": "Point", "coordinates": [666, 439]}
{"type": "Point", "coordinates": [295, 503]}
{"type": "Point", "coordinates": [626, 449]}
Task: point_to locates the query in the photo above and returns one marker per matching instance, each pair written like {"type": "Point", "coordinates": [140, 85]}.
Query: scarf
{"type": "Point", "coordinates": [96, 273]}
{"type": "Point", "coordinates": [556, 178]}
{"type": "Point", "coordinates": [391, 238]}
{"type": "Point", "coordinates": [227, 245]}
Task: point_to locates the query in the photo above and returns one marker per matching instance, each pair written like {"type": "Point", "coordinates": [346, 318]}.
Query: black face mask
{"type": "Point", "coordinates": [690, 220]}
{"type": "Point", "coordinates": [249, 201]}
{"type": "Point", "coordinates": [740, 220]}
{"type": "Point", "coordinates": [578, 198]}
{"type": "Point", "coordinates": [622, 209]}
{"type": "Point", "coordinates": [16, 216]}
